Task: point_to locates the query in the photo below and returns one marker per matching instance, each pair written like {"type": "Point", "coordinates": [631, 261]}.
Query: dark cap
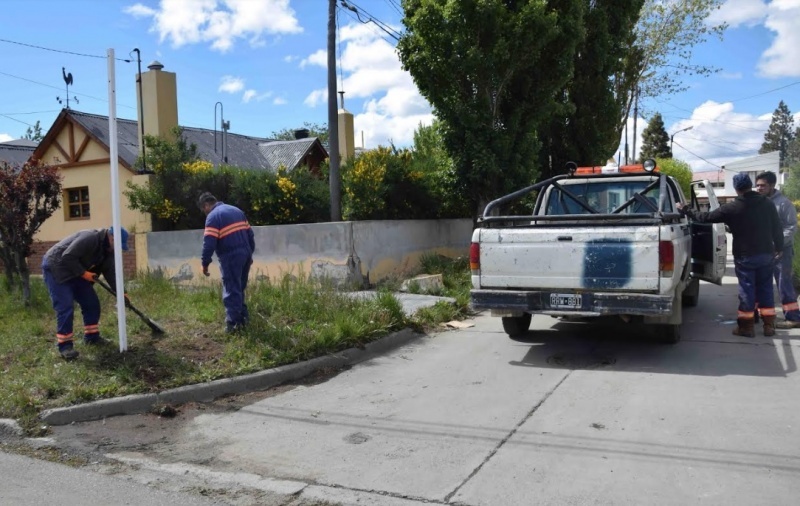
{"type": "Point", "coordinates": [742, 182]}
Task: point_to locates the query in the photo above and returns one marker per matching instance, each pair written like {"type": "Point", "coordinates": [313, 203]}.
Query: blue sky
{"type": "Point", "coordinates": [265, 61]}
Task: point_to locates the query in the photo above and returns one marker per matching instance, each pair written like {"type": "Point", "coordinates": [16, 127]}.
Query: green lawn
{"type": "Point", "coordinates": [291, 320]}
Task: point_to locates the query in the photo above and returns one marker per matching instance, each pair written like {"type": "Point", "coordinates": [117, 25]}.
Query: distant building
{"type": "Point", "coordinates": [722, 179]}
{"type": "Point", "coordinates": [78, 144]}
{"type": "Point", "coordinates": [16, 152]}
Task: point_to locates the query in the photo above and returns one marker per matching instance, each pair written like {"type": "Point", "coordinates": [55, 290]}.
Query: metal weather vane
{"type": "Point", "coordinates": [68, 81]}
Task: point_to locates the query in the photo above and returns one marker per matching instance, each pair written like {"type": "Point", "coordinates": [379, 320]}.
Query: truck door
{"type": "Point", "coordinates": [709, 242]}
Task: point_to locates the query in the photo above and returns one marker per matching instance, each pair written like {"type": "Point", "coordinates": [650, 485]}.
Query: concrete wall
{"type": "Point", "coordinates": [347, 251]}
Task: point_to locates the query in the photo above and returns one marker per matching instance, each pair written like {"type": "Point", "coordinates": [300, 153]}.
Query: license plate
{"type": "Point", "coordinates": [565, 300]}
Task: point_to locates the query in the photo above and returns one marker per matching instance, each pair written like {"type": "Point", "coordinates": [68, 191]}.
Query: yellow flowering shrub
{"type": "Point", "coordinates": [197, 166]}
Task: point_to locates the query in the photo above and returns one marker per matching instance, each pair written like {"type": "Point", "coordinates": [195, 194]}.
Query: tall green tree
{"type": "Point", "coordinates": [780, 134]}
{"type": "Point", "coordinates": [660, 57]}
{"type": "Point", "coordinates": [655, 140]}
{"type": "Point", "coordinates": [491, 69]}
{"type": "Point", "coordinates": [587, 132]}
{"type": "Point", "coordinates": [34, 132]}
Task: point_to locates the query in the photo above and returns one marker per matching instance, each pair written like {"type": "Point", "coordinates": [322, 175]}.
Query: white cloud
{"type": "Point", "coordinates": [718, 134]}
{"type": "Point", "coordinates": [6, 137]}
{"type": "Point", "coordinates": [739, 12]}
{"type": "Point", "coordinates": [139, 11]}
{"type": "Point", "coordinates": [230, 84]}
{"type": "Point", "coordinates": [316, 97]}
{"type": "Point", "coordinates": [730, 75]}
{"type": "Point", "coordinates": [279, 101]}
{"type": "Point", "coordinates": [289, 58]}
{"type": "Point", "coordinates": [219, 22]}
{"type": "Point", "coordinates": [393, 108]}
{"type": "Point", "coordinates": [319, 58]}
{"type": "Point", "coordinates": [782, 59]}
{"type": "Point", "coordinates": [253, 94]}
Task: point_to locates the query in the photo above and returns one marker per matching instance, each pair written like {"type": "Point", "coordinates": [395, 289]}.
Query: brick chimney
{"type": "Point", "coordinates": [159, 102]}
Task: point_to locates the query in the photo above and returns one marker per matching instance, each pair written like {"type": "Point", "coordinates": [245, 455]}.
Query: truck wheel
{"type": "Point", "coordinates": [515, 326]}
{"type": "Point", "coordinates": [668, 333]}
{"type": "Point", "coordinates": [691, 294]}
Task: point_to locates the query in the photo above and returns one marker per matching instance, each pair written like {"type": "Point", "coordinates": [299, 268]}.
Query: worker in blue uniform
{"type": "Point", "coordinates": [69, 269]}
{"type": "Point", "coordinates": [228, 234]}
{"type": "Point", "coordinates": [757, 244]}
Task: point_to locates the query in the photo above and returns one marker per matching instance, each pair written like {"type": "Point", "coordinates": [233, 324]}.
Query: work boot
{"type": "Point", "coordinates": [95, 340]}
{"type": "Point", "coordinates": [67, 352]}
{"type": "Point", "coordinates": [769, 325]}
{"type": "Point", "coordinates": [745, 327]}
{"type": "Point", "coordinates": [787, 324]}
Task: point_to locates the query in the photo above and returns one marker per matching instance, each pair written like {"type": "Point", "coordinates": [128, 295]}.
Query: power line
{"type": "Point", "coordinates": [15, 119]}
{"type": "Point", "coordinates": [59, 50]}
{"type": "Point", "coordinates": [58, 88]}
{"type": "Point", "coordinates": [765, 92]}
{"type": "Point", "coordinates": [25, 113]}
{"type": "Point", "coordinates": [380, 24]}
{"type": "Point", "coordinates": [374, 30]}
{"type": "Point", "coordinates": [396, 7]}
{"type": "Point", "coordinates": [698, 156]}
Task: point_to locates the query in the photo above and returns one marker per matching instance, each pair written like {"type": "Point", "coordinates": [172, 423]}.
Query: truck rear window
{"type": "Point", "coordinates": [603, 197]}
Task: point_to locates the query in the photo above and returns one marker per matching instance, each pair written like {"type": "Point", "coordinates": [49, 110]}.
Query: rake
{"type": "Point", "coordinates": [155, 327]}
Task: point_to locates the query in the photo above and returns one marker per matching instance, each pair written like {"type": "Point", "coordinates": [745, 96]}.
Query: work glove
{"type": "Point", "coordinates": [89, 276]}
{"type": "Point", "coordinates": [205, 270]}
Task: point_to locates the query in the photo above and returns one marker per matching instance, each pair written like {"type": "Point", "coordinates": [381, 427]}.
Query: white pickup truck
{"type": "Point", "coordinates": [599, 241]}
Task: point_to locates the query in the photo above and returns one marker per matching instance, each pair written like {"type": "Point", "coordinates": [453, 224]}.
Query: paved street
{"type": "Point", "coordinates": [573, 414]}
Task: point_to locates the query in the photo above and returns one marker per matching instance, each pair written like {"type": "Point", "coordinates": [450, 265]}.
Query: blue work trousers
{"type": "Point", "coordinates": [235, 269]}
{"type": "Point", "coordinates": [755, 284]}
{"type": "Point", "coordinates": [64, 295]}
{"type": "Point", "coordinates": [783, 278]}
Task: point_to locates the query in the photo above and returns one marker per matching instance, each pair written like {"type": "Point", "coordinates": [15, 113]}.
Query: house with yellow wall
{"type": "Point", "coordinates": [78, 144]}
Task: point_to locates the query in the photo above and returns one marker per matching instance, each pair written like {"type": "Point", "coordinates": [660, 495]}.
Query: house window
{"type": "Point", "coordinates": [77, 203]}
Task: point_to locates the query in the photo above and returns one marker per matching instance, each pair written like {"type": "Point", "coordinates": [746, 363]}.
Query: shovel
{"type": "Point", "coordinates": [155, 327]}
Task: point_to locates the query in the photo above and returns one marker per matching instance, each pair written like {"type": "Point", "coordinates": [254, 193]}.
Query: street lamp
{"type": "Point", "coordinates": [672, 137]}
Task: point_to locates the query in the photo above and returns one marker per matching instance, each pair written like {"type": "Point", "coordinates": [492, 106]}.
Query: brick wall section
{"type": "Point", "coordinates": [40, 248]}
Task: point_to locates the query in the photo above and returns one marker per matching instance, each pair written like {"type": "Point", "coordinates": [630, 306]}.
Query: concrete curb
{"type": "Point", "coordinates": [142, 403]}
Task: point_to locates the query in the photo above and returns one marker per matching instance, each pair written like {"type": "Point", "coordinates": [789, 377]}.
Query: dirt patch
{"type": "Point", "coordinates": [198, 349]}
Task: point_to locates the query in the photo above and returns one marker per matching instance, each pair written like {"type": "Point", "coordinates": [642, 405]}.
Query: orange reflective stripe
{"type": "Point", "coordinates": [767, 311]}
{"type": "Point", "coordinates": [746, 315]}
{"type": "Point", "coordinates": [214, 232]}
{"type": "Point", "coordinates": [90, 328]}
{"type": "Point", "coordinates": [234, 230]}
{"type": "Point", "coordinates": [792, 306]}
{"type": "Point", "coordinates": [226, 230]}
{"type": "Point", "coordinates": [63, 338]}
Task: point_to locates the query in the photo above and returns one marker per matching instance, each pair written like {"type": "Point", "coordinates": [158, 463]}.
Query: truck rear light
{"type": "Point", "coordinates": [666, 258]}
{"type": "Point", "coordinates": [475, 257]}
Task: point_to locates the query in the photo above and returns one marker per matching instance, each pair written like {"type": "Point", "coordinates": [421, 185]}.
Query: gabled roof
{"type": "Point", "coordinates": [242, 150]}
{"type": "Point", "coordinates": [16, 152]}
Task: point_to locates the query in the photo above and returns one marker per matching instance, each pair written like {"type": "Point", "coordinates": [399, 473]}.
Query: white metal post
{"type": "Point", "coordinates": [115, 210]}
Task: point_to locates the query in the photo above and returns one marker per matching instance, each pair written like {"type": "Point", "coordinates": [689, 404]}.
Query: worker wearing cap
{"type": "Point", "coordinates": [70, 269]}
{"type": "Point", "coordinates": [757, 242]}
{"type": "Point", "coordinates": [228, 234]}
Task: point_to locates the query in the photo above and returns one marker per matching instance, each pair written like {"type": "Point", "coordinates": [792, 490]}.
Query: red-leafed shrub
{"type": "Point", "coordinates": [28, 196]}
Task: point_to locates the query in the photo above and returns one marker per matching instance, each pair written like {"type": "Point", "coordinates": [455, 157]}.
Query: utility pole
{"type": "Point", "coordinates": [333, 117]}
{"type": "Point", "coordinates": [635, 115]}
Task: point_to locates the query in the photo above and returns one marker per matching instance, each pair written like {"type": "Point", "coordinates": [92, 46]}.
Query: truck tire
{"type": "Point", "coordinates": [515, 326]}
{"type": "Point", "coordinates": [691, 294]}
{"type": "Point", "coordinates": [668, 333]}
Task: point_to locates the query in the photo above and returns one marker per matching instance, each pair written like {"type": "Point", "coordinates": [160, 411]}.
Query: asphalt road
{"type": "Point", "coordinates": [574, 413]}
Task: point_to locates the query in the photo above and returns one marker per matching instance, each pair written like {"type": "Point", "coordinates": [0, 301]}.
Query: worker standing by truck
{"type": "Point", "coordinates": [228, 234]}
{"type": "Point", "coordinates": [757, 244]}
{"type": "Point", "coordinates": [765, 185]}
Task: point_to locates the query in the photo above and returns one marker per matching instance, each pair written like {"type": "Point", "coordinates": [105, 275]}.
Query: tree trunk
{"type": "Point", "coordinates": [24, 276]}
{"type": "Point", "coordinates": [8, 266]}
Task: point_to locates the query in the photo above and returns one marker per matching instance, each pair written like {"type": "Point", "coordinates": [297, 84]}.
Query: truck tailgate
{"type": "Point", "coordinates": [570, 258]}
